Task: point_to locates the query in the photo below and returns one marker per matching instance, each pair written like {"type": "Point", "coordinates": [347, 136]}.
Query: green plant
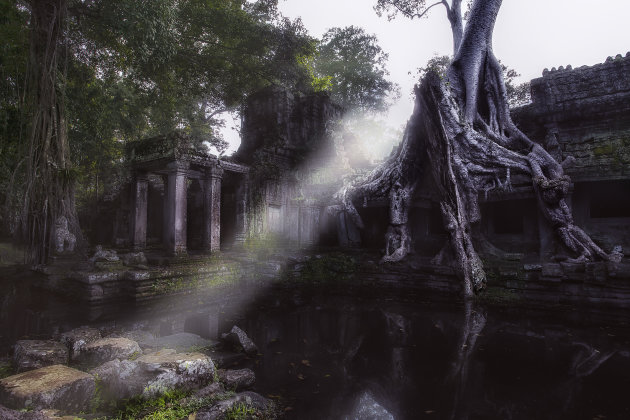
{"type": "Point", "coordinates": [5, 370]}
{"type": "Point", "coordinates": [332, 268]}
{"type": "Point", "coordinates": [239, 412]}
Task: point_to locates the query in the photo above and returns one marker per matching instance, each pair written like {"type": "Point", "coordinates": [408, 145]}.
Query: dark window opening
{"type": "Point", "coordinates": [507, 217]}
{"type": "Point", "coordinates": [609, 199]}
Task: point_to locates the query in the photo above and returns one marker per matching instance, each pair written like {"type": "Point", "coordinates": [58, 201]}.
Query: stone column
{"type": "Point", "coordinates": [139, 216]}
{"type": "Point", "coordinates": [175, 207]}
{"type": "Point", "coordinates": [212, 210]}
{"type": "Point", "coordinates": [241, 211]}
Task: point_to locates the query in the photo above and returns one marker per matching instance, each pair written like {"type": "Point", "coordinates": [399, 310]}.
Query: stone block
{"type": "Point", "coordinates": [145, 339]}
{"type": "Point", "coordinates": [181, 342]}
{"type": "Point", "coordinates": [35, 354]}
{"type": "Point", "coordinates": [76, 340]}
{"type": "Point", "coordinates": [8, 414]}
{"type": "Point", "coordinates": [56, 386]}
{"type": "Point", "coordinates": [110, 348]}
{"type": "Point", "coordinates": [237, 337]}
{"type": "Point", "coordinates": [552, 270]}
{"type": "Point", "coordinates": [237, 379]}
{"type": "Point", "coordinates": [154, 374]}
{"type": "Point", "coordinates": [248, 398]}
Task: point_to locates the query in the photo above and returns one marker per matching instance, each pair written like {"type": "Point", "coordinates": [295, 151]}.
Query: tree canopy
{"type": "Point", "coordinates": [356, 67]}
{"type": "Point", "coordinates": [97, 73]}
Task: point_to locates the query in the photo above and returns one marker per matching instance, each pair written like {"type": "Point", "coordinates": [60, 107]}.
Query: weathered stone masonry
{"type": "Point", "coordinates": [175, 160]}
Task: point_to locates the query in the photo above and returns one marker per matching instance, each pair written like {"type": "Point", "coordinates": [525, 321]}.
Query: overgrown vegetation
{"type": "Point", "coordinates": [329, 269]}
{"type": "Point", "coordinates": [172, 405]}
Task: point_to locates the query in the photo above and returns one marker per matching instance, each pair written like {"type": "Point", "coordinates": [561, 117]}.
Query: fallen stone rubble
{"type": "Point", "coordinates": [69, 376]}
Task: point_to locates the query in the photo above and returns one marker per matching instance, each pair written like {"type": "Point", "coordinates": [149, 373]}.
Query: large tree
{"type": "Point", "coordinates": [462, 134]}
{"type": "Point", "coordinates": [355, 65]}
{"type": "Point", "coordinates": [416, 9]}
{"type": "Point", "coordinates": [101, 72]}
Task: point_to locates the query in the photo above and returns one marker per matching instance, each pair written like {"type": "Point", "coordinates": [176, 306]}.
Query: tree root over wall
{"type": "Point", "coordinates": [462, 132]}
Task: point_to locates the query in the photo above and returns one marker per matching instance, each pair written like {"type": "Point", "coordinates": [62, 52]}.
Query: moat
{"type": "Point", "coordinates": [337, 353]}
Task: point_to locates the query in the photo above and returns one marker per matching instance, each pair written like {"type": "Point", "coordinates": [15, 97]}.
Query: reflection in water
{"type": "Point", "coordinates": [367, 408]}
{"type": "Point", "coordinates": [472, 326]}
{"type": "Point", "coordinates": [326, 354]}
{"type": "Point", "coordinates": [348, 357]}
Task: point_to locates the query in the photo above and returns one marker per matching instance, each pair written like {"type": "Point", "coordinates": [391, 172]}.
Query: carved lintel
{"type": "Point", "coordinates": [214, 172]}
{"type": "Point", "coordinates": [178, 166]}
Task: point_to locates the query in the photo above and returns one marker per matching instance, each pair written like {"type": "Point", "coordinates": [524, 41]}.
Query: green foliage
{"type": "Point", "coordinates": [356, 66]}
{"type": "Point", "coordinates": [239, 412]}
{"type": "Point", "coordinates": [262, 247]}
{"type": "Point", "coordinates": [409, 8]}
{"type": "Point", "coordinates": [6, 369]}
{"type": "Point", "coordinates": [135, 69]}
{"type": "Point", "coordinates": [13, 59]}
{"type": "Point", "coordinates": [327, 269]}
{"type": "Point", "coordinates": [172, 405]}
{"type": "Point", "coordinates": [317, 83]}
{"type": "Point", "coordinates": [166, 406]}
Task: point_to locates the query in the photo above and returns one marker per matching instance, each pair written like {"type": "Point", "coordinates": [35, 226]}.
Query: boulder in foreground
{"type": "Point", "coordinates": [154, 373]}
{"type": "Point", "coordinates": [56, 386]}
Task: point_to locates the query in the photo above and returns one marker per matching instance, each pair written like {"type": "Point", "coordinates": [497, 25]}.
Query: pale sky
{"type": "Point", "coordinates": [530, 35]}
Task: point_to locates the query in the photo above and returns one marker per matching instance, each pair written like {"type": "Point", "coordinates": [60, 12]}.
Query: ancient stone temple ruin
{"type": "Point", "coordinates": [182, 201]}
{"type": "Point", "coordinates": [584, 113]}
{"type": "Point", "coordinates": [190, 185]}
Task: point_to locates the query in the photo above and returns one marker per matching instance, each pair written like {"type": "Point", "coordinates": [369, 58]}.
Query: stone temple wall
{"type": "Point", "coordinates": [583, 112]}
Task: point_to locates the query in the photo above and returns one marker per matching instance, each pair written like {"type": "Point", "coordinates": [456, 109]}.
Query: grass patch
{"type": "Point", "coordinates": [6, 370]}
{"type": "Point", "coordinates": [10, 254]}
{"type": "Point", "coordinates": [327, 269]}
{"type": "Point", "coordinates": [239, 412]}
{"type": "Point", "coordinates": [172, 405]}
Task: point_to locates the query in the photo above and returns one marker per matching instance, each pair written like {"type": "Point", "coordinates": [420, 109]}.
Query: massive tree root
{"type": "Point", "coordinates": [461, 131]}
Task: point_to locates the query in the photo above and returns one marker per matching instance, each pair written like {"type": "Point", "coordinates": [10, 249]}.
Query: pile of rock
{"type": "Point", "coordinates": [118, 367]}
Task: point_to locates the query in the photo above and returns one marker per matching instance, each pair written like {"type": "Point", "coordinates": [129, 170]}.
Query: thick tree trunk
{"type": "Point", "coordinates": [49, 213]}
{"type": "Point", "coordinates": [462, 131]}
{"type": "Point", "coordinates": [454, 15]}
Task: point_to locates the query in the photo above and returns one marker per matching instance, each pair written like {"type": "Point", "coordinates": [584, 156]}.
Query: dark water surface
{"type": "Point", "coordinates": [340, 355]}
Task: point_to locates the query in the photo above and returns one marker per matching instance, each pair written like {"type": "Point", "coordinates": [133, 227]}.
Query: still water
{"type": "Point", "coordinates": [346, 355]}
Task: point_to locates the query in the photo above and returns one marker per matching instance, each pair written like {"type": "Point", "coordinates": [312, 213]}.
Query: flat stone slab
{"type": "Point", "coordinates": [226, 359]}
{"type": "Point", "coordinates": [56, 386]}
{"type": "Point", "coordinates": [182, 342]}
{"type": "Point", "coordinates": [144, 338]}
{"type": "Point", "coordinates": [110, 348]}
{"type": "Point", "coordinates": [35, 354]}
{"type": "Point", "coordinates": [76, 340]}
{"type": "Point", "coordinates": [248, 398]}
{"type": "Point", "coordinates": [155, 373]}
{"type": "Point", "coordinates": [237, 379]}
{"type": "Point", "coordinates": [8, 414]}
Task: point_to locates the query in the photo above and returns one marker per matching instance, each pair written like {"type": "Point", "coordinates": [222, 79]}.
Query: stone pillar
{"type": "Point", "coordinates": [348, 233]}
{"type": "Point", "coordinates": [175, 207]}
{"type": "Point", "coordinates": [212, 210]}
{"type": "Point", "coordinates": [139, 217]}
{"type": "Point", "coordinates": [241, 212]}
